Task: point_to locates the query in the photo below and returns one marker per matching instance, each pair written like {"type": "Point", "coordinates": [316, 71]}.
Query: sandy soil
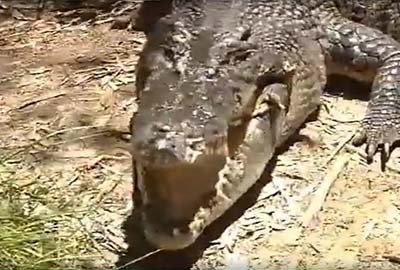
{"type": "Point", "coordinates": [66, 96]}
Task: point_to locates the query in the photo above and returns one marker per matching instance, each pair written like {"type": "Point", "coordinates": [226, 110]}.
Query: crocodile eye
{"type": "Point", "coordinates": [164, 128]}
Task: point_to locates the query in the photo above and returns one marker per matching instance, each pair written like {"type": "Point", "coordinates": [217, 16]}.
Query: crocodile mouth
{"type": "Point", "coordinates": [173, 195]}
{"type": "Point", "coordinates": [180, 200]}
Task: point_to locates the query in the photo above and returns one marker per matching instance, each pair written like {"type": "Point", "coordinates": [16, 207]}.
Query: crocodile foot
{"type": "Point", "coordinates": [381, 125]}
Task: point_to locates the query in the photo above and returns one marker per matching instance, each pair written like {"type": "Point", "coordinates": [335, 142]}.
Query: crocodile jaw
{"type": "Point", "coordinates": [174, 241]}
{"type": "Point", "coordinates": [240, 172]}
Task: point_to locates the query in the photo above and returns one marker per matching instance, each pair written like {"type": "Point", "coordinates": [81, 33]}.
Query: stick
{"type": "Point", "coordinates": [392, 259]}
{"type": "Point", "coordinates": [32, 102]}
{"type": "Point", "coordinates": [339, 148]}
{"type": "Point", "coordinates": [322, 192]}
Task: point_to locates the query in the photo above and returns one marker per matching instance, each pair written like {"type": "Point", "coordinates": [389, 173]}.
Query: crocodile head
{"type": "Point", "coordinates": [185, 139]}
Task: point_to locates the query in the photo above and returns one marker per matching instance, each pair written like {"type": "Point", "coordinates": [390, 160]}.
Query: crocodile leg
{"type": "Point", "coordinates": [369, 55]}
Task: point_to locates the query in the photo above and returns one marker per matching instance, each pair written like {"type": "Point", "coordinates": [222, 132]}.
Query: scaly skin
{"type": "Point", "coordinates": [221, 86]}
{"type": "Point", "coordinates": [352, 48]}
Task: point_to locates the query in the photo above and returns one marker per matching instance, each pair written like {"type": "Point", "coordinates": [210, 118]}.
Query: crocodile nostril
{"type": "Point", "coordinates": [158, 127]}
{"type": "Point", "coordinates": [164, 128]}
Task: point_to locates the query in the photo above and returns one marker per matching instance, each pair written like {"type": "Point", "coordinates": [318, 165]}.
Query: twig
{"type": "Point", "coordinates": [344, 121]}
{"type": "Point", "coordinates": [139, 259]}
{"type": "Point", "coordinates": [339, 148]}
{"type": "Point", "coordinates": [314, 248]}
{"type": "Point", "coordinates": [65, 130]}
{"type": "Point", "coordinates": [392, 259]}
{"type": "Point", "coordinates": [32, 102]}
{"type": "Point", "coordinates": [322, 192]}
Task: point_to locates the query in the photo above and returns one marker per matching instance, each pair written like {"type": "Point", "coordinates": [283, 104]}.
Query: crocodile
{"type": "Point", "coordinates": [221, 85]}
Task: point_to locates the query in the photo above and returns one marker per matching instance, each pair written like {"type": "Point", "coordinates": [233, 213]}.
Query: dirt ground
{"type": "Point", "coordinates": [66, 96]}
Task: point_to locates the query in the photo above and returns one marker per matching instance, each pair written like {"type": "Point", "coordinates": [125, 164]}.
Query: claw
{"type": "Point", "coordinates": [385, 153]}
{"type": "Point", "coordinates": [386, 149]}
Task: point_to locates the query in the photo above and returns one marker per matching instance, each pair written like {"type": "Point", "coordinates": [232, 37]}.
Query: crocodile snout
{"type": "Point", "coordinates": [162, 146]}
{"type": "Point", "coordinates": [161, 153]}
{"type": "Point", "coordinates": [159, 147]}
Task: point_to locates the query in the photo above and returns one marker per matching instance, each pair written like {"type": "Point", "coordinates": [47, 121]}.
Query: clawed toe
{"type": "Point", "coordinates": [375, 140]}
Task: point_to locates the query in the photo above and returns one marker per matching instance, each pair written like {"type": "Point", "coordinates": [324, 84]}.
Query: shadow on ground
{"type": "Point", "coordinates": [347, 88]}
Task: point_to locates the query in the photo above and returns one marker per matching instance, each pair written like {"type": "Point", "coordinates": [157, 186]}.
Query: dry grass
{"type": "Point", "coordinates": [39, 227]}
